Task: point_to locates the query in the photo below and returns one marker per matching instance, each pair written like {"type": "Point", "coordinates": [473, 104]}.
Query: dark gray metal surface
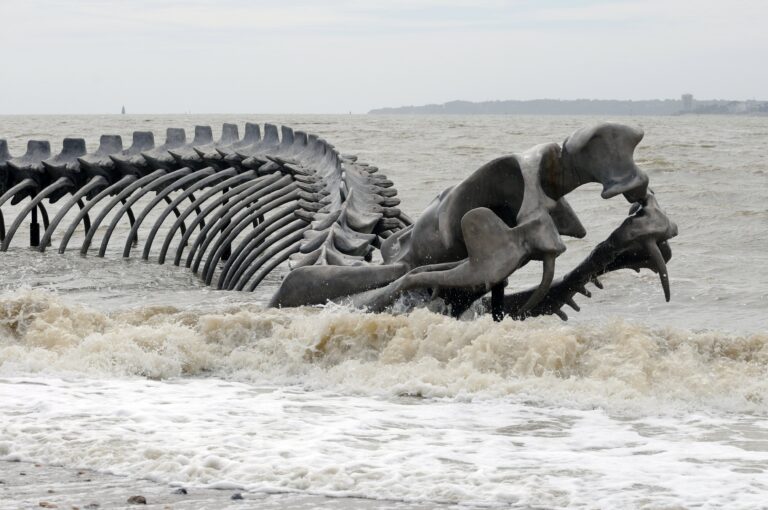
{"type": "Point", "coordinates": [289, 196]}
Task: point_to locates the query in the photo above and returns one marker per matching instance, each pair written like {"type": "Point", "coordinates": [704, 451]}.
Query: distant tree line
{"type": "Point", "coordinates": [578, 107]}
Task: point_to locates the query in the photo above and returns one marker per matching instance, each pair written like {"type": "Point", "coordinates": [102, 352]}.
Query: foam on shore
{"type": "Point", "coordinates": [616, 364]}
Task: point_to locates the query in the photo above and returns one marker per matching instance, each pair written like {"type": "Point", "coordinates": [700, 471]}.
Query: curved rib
{"type": "Point", "coordinates": [224, 214]}
{"type": "Point", "coordinates": [239, 261]}
{"type": "Point", "coordinates": [158, 198]}
{"type": "Point", "coordinates": [236, 258]}
{"type": "Point", "coordinates": [86, 218]}
{"type": "Point", "coordinates": [135, 198]}
{"type": "Point", "coordinates": [176, 202]}
{"type": "Point", "coordinates": [198, 220]}
{"type": "Point", "coordinates": [112, 203]}
{"type": "Point", "coordinates": [192, 201]}
{"type": "Point", "coordinates": [219, 206]}
{"type": "Point", "coordinates": [84, 210]}
{"type": "Point", "coordinates": [237, 225]}
{"type": "Point", "coordinates": [131, 217]}
{"type": "Point", "coordinates": [44, 214]}
{"type": "Point", "coordinates": [75, 199]}
{"type": "Point", "coordinates": [276, 261]}
{"type": "Point", "coordinates": [258, 256]}
{"type": "Point", "coordinates": [19, 187]}
{"type": "Point", "coordinates": [175, 210]}
{"type": "Point", "coordinates": [131, 220]}
{"type": "Point", "coordinates": [59, 183]}
{"type": "Point", "coordinates": [287, 248]}
{"type": "Point", "coordinates": [232, 218]}
{"type": "Point", "coordinates": [9, 194]}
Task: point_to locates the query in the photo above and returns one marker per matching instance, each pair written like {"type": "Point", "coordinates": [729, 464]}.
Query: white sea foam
{"type": "Point", "coordinates": [496, 452]}
{"type": "Point", "coordinates": [616, 365]}
{"type": "Point", "coordinates": [415, 407]}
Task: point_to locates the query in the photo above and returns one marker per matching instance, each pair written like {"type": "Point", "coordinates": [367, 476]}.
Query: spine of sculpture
{"type": "Point", "coordinates": [261, 200]}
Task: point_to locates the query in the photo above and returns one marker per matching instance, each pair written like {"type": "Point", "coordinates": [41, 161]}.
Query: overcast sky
{"type": "Point", "coordinates": [329, 56]}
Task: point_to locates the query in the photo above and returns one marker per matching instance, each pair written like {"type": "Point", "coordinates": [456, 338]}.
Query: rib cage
{"type": "Point", "coordinates": [242, 207]}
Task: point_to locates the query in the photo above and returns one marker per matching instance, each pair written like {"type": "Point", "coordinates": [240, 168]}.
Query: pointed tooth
{"type": "Point", "coordinates": [548, 274]}
{"type": "Point", "coordinates": [660, 267]}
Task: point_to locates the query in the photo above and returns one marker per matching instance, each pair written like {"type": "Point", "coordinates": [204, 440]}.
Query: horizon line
{"type": "Point", "coordinates": [376, 108]}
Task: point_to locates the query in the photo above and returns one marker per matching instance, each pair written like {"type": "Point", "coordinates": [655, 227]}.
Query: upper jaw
{"type": "Point", "coordinates": [631, 182]}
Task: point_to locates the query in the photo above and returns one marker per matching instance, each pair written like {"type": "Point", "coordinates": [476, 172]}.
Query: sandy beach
{"type": "Point", "coordinates": [32, 486]}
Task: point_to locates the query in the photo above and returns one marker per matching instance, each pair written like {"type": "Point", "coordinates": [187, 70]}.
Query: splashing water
{"type": "Point", "coordinates": [136, 369]}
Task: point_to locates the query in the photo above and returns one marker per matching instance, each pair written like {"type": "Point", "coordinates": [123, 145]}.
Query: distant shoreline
{"type": "Point", "coordinates": [584, 107]}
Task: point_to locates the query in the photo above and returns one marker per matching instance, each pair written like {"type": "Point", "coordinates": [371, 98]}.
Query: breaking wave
{"type": "Point", "coordinates": [615, 364]}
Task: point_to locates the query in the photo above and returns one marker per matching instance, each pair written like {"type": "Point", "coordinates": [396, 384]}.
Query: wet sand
{"type": "Point", "coordinates": [26, 486]}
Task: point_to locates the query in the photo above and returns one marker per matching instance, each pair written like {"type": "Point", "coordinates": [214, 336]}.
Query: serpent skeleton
{"type": "Point", "coordinates": [236, 209]}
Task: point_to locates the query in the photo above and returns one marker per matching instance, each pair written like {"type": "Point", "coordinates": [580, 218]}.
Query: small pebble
{"type": "Point", "coordinates": [48, 504]}
{"type": "Point", "coordinates": [51, 491]}
{"type": "Point", "coordinates": [181, 490]}
{"type": "Point", "coordinates": [91, 506]}
{"type": "Point", "coordinates": [236, 495]}
{"type": "Point", "coordinates": [137, 500]}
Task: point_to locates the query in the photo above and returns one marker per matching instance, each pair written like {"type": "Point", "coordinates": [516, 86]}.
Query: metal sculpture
{"type": "Point", "coordinates": [292, 197]}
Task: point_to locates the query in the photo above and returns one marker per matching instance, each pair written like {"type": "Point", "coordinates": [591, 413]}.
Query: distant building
{"type": "Point", "coordinates": [687, 102]}
{"type": "Point", "coordinates": [123, 112]}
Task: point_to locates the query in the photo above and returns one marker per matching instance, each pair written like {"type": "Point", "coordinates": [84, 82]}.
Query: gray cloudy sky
{"type": "Point", "coordinates": [301, 56]}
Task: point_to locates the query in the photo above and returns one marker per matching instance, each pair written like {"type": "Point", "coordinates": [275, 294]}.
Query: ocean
{"type": "Point", "coordinates": [138, 370]}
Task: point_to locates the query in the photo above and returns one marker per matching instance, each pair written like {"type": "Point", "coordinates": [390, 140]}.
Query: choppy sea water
{"type": "Point", "coordinates": [139, 370]}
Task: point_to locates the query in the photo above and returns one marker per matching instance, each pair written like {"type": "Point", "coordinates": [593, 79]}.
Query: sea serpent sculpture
{"type": "Point", "coordinates": [243, 207]}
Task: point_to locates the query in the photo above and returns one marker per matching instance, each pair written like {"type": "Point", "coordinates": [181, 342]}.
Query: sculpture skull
{"type": "Point", "coordinates": [473, 236]}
